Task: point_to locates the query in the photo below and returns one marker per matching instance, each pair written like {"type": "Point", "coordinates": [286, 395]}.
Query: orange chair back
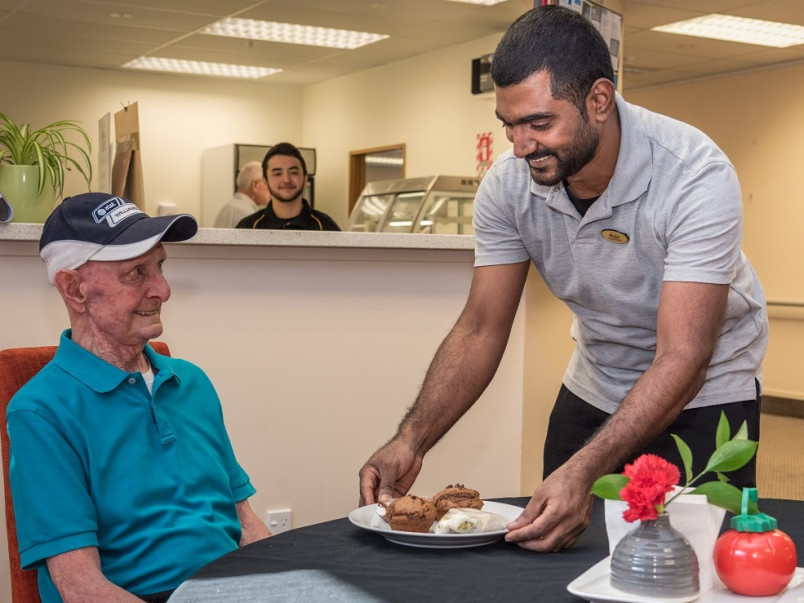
{"type": "Point", "coordinates": [17, 366]}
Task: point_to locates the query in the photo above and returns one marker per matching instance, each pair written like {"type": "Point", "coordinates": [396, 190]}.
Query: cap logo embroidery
{"type": "Point", "coordinates": [615, 236]}
{"type": "Point", "coordinates": [114, 211]}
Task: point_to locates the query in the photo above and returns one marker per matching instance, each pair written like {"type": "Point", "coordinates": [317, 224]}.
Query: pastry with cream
{"type": "Point", "coordinates": [469, 521]}
{"type": "Point", "coordinates": [456, 497]}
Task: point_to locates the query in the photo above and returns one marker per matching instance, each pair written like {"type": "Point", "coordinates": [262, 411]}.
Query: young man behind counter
{"type": "Point", "coordinates": [285, 171]}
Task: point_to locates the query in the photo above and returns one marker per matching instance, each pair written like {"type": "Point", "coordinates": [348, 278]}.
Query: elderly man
{"type": "Point", "coordinates": [122, 474]}
{"type": "Point", "coordinates": [252, 195]}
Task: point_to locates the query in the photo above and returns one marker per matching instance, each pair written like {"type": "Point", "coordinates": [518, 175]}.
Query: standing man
{"type": "Point", "coordinates": [123, 478]}
{"type": "Point", "coordinates": [634, 220]}
{"type": "Point", "coordinates": [251, 195]}
{"type": "Point", "coordinates": [285, 171]}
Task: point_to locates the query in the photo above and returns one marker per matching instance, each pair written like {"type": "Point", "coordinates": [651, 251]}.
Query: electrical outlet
{"type": "Point", "coordinates": [278, 520]}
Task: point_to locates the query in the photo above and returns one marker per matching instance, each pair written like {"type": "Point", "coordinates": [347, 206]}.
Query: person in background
{"type": "Point", "coordinates": [285, 171]}
{"type": "Point", "coordinates": [251, 195]}
{"type": "Point", "coordinates": [634, 220]}
{"type": "Point", "coordinates": [123, 478]}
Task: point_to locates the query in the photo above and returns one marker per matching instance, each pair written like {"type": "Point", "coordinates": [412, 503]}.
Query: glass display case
{"type": "Point", "coordinates": [426, 205]}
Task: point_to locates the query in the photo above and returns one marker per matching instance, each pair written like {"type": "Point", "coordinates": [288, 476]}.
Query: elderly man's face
{"type": "Point", "coordinates": [124, 299]}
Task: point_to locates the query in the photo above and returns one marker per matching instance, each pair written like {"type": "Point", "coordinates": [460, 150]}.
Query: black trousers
{"type": "Point", "coordinates": [573, 422]}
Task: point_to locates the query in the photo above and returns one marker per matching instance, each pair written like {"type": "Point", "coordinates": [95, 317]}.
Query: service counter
{"type": "Point", "coordinates": [317, 344]}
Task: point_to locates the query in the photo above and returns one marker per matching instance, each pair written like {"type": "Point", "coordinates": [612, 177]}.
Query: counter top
{"type": "Point", "coordinates": [286, 238]}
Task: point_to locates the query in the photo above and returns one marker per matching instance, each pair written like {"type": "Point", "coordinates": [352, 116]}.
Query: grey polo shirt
{"type": "Point", "coordinates": [672, 212]}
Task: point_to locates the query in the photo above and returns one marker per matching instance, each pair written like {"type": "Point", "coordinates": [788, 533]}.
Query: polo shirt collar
{"type": "Point", "coordinates": [304, 214]}
{"type": "Point", "coordinates": [95, 373]}
{"type": "Point", "coordinates": [632, 173]}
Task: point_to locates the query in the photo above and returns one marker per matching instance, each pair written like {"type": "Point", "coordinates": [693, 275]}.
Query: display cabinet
{"type": "Point", "coordinates": [425, 205]}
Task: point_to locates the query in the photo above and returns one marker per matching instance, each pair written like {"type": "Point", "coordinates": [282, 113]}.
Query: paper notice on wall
{"type": "Point", "coordinates": [127, 166]}
{"type": "Point", "coordinates": [105, 152]}
{"type": "Point", "coordinates": [485, 150]}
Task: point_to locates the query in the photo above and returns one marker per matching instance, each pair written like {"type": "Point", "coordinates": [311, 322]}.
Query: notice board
{"type": "Point", "coordinates": [127, 166]}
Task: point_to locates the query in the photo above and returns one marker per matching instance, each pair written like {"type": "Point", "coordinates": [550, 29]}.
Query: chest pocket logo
{"type": "Point", "coordinates": [615, 236]}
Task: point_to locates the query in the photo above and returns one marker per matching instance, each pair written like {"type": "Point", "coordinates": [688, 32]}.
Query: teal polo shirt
{"type": "Point", "coordinates": [97, 461]}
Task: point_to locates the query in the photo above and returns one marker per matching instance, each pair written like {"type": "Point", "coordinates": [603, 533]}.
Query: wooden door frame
{"type": "Point", "coordinates": [357, 169]}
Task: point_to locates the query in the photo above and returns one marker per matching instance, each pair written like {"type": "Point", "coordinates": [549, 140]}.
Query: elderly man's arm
{"type": "Point", "coordinates": [252, 526]}
{"type": "Point", "coordinates": [78, 577]}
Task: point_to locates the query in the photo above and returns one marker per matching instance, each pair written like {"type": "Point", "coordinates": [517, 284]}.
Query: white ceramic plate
{"type": "Point", "coordinates": [367, 519]}
{"type": "Point", "coordinates": [593, 585]}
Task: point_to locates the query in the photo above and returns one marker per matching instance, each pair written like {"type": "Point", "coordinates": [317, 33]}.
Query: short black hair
{"type": "Point", "coordinates": [557, 40]}
{"type": "Point", "coordinates": [283, 148]}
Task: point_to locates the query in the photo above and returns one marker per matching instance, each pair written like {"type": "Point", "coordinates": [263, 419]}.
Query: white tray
{"type": "Point", "coordinates": [593, 585]}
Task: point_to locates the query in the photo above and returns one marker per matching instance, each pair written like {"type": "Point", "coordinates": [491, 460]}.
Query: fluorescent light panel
{"type": "Point", "coordinates": [379, 160]}
{"type": "Point", "coordinates": [738, 29]}
{"type": "Point", "coordinates": [290, 33]}
{"type": "Point", "coordinates": [200, 68]}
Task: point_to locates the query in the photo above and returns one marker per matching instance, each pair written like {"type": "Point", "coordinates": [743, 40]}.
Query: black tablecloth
{"type": "Point", "coordinates": [336, 561]}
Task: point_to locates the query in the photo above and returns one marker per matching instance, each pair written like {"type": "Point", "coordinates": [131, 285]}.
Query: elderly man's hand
{"type": "Point", "coordinates": [389, 473]}
{"type": "Point", "coordinates": [559, 510]}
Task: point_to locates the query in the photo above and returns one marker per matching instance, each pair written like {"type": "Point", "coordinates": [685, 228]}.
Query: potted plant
{"type": "Point", "coordinates": [32, 164]}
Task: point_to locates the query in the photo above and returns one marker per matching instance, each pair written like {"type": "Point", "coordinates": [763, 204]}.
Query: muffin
{"type": "Point", "coordinates": [456, 497]}
{"type": "Point", "coordinates": [410, 514]}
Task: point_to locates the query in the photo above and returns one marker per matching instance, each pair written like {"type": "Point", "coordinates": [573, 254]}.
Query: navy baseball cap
{"type": "Point", "coordinates": [6, 211]}
{"type": "Point", "coordinates": [104, 228]}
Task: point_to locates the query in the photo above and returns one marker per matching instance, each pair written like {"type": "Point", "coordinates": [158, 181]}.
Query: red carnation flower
{"type": "Point", "coordinates": [652, 478]}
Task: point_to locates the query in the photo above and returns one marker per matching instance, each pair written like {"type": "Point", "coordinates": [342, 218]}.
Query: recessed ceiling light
{"type": "Point", "coordinates": [738, 29]}
{"type": "Point", "coordinates": [483, 2]}
{"type": "Point", "coordinates": [199, 68]}
{"type": "Point", "coordinates": [291, 33]}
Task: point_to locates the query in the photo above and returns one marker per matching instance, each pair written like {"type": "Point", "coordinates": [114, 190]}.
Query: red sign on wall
{"type": "Point", "coordinates": [485, 149]}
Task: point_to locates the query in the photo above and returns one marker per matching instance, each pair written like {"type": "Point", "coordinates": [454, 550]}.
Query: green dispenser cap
{"type": "Point", "coordinates": [756, 522]}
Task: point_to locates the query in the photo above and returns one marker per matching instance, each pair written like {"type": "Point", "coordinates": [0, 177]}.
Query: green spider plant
{"type": "Point", "coordinates": [46, 148]}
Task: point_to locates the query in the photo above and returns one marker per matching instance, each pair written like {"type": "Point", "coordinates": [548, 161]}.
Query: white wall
{"type": "Point", "coordinates": [756, 118]}
{"type": "Point", "coordinates": [179, 118]}
{"type": "Point", "coordinates": [424, 102]}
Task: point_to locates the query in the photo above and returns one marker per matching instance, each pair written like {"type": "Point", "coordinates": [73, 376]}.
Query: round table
{"type": "Point", "coordinates": [337, 561]}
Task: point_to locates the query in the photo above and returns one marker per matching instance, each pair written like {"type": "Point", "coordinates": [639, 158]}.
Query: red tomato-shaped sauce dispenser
{"type": "Point", "coordinates": [754, 557]}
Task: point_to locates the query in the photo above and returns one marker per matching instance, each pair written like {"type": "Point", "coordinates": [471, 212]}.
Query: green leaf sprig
{"type": "Point", "coordinates": [730, 454]}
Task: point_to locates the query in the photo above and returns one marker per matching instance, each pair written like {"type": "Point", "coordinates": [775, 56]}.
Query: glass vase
{"type": "Point", "coordinates": [655, 560]}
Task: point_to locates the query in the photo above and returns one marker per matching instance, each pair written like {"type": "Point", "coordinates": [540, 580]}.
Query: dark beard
{"type": "Point", "coordinates": [283, 198]}
{"type": "Point", "coordinates": [580, 152]}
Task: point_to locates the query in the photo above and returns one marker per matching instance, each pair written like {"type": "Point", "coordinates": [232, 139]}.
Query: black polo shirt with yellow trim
{"type": "Point", "coordinates": [308, 219]}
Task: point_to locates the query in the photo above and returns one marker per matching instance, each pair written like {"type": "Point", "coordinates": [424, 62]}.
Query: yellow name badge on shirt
{"type": "Point", "coordinates": [614, 236]}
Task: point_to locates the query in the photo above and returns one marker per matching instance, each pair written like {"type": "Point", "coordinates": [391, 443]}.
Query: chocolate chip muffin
{"type": "Point", "coordinates": [411, 514]}
{"type": "Point", "coordinates": [456, 497]}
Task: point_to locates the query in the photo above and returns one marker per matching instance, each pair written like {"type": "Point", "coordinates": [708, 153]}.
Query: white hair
{"type": "Point", "coordinates": [248, 173]}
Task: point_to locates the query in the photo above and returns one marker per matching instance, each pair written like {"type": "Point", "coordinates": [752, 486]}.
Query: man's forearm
{"type": "Point", "coordinates": [467, 359]}
{"type": "Point", "coordinates": [252, 528]}
{"type": "Point", "coordinates": [78, 577]}
{"type": "Point", "coordinates": [459, 373]}
{"type": "Point", "coordinates": [651, 406]}
{"type": "Point", "coordinates": [688, 324]}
